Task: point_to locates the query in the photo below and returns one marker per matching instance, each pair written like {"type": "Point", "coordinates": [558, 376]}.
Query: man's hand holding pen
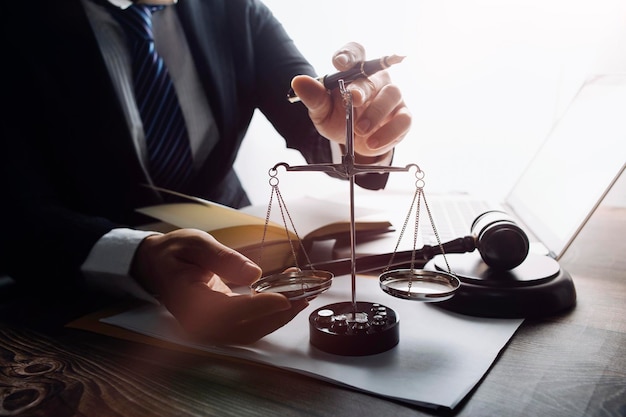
{"type": "Point", "coordinates": [381, 118]}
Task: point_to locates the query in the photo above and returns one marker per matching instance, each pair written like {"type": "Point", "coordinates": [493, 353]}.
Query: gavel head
{"type": "Point", "coordinates": [500, 241]}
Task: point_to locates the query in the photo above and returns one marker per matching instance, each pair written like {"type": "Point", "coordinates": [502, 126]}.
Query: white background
{"type": "Point", "coordinates": [484, 79]}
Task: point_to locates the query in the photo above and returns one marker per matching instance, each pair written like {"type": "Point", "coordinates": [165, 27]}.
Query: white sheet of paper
{"type": "Point", "coordinates": [440, 358]}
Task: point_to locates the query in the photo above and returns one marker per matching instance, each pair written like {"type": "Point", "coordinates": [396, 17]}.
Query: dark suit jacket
{"type": "Point", "coordinates": [70, 173]}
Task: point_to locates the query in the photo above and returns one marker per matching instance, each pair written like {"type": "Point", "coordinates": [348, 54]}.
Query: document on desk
{"type": "Point", "coordinates": [440, 358]}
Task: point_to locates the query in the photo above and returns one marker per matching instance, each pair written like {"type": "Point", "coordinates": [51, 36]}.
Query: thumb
{"type": "Point", "coordinates": [314, 96]}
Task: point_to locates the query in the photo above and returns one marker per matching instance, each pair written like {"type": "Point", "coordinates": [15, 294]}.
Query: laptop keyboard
{"type": "Point", "coordinates": [452, 217]}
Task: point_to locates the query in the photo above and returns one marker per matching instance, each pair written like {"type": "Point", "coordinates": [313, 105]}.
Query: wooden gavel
{"type": "Point", "coordinates": [502, 244]}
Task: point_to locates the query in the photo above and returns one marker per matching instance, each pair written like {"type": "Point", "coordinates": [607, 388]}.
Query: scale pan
{"type": "Point", "coordinates": [295, 285]}
{"type": "Point", "coordinates": [419, 284]}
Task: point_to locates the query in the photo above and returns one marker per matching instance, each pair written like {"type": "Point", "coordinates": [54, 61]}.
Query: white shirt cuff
{"type": "Point", "coordinates": [108, 264]}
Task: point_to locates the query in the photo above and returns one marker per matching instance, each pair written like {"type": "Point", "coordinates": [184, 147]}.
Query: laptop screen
{"type": "Point", "coordinates": [583, 155]}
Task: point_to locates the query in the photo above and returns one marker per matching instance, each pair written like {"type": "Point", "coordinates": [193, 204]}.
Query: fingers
{"type": "Point", "coordinates": [215, 317]}
{"type": "Point", "coordinates": [229, 264]}
{"type": "Point", "coordinates": [260, 315]}
{"type": "Point", "coordinates": [367, 88]}
{"type": "Point", "coordinates": [387, 136]}
{"type": "Point", "coordinates": [312, 93]}
{"type": "Point", "coordinates": [206, 256]}
{"type": "Point", "coordinates": [380, 105]}
{"type": "Point", "coordinates": [348, 56]}
{"type": "Point", "coordinates": [382, 119]}
{"type": "Point", "coordinates": [381, 126]}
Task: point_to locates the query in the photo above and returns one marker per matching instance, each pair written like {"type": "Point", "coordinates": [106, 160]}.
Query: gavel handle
{"type": "Point", "coordinates": [375, 262]}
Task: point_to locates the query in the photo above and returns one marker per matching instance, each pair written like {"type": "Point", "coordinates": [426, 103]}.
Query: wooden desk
{"type": "Point", "coordinates": [570, 365]}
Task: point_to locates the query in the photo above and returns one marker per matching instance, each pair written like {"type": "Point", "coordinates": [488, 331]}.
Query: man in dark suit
{"type": "Point", "coordinates": [74, 148]}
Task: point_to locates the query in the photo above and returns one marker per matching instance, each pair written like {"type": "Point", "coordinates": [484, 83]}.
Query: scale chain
{"type": "Point", "coordinates": [404, 226]}
{"type": "Point", "coordinates": [284, 212]}
{"type": "Point", "coordinates": [432, 224]}
{"type": "Point", "coordinates": [418, 195]}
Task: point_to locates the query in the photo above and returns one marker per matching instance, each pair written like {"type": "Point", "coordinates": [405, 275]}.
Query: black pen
{"type": "Point", "coordinates": [360, 70]}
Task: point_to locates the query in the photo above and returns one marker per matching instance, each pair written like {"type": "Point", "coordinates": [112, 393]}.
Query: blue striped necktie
{"type": "Point", "coordinates": [169, 153]}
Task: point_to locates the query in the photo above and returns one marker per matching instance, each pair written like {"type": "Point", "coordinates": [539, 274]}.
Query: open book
{"type": "Point", "coordinates": [272, 247]}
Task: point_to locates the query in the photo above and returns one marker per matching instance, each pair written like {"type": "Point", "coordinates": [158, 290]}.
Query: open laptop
{"type": "Point", "coordinates": [581, 158]}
